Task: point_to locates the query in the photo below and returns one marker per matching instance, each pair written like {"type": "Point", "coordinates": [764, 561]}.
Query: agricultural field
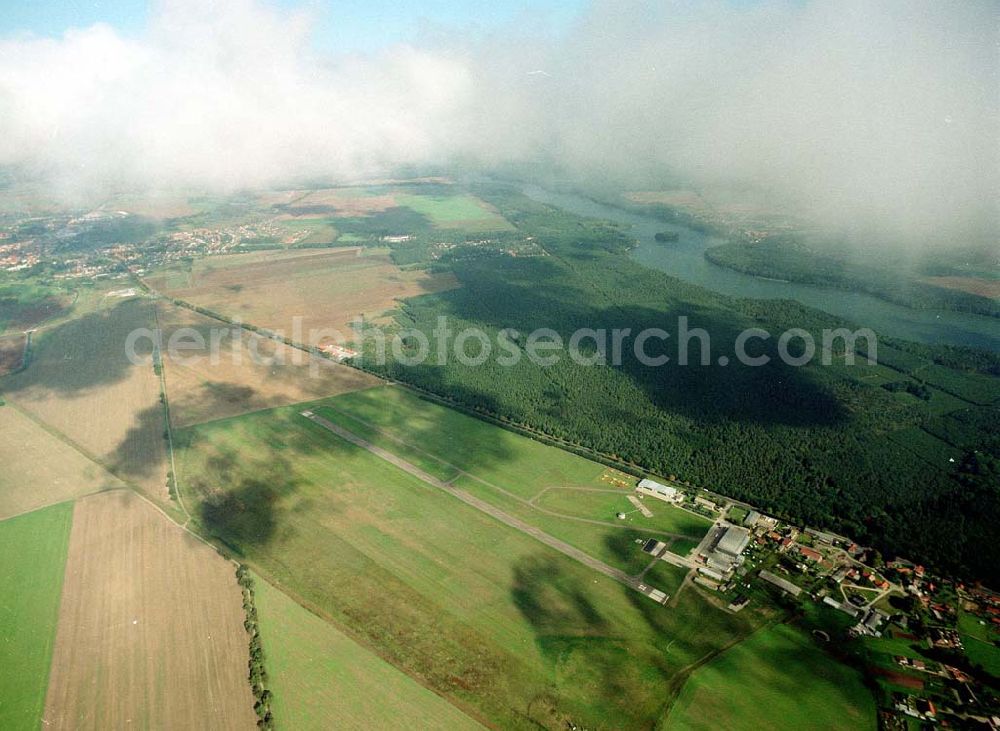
{"type": "Point", "coordinates": [326, 289]}
{"type": "Point", "coordinates": [341, 202]}
{"type": "Point", "coordinates": [33, 547]}
{"type": "Point", "coordinates": [11, 353]}
{"type": "Point", "coordinates": [477, 611]}
{"type": "Point", "coordinates": [250, 371]}
{"type": "Point", "coordinates": [81, 384]}
{"type": "Point", "coordinates": [317, 674]}
{"type": "Point", "coordinates": [980, 286]}
{"type": "Point", "coordinates": [26, 304]}
{"type": "Point", "coordinates": [464, 212]}
{"type": "Point", "coordinates": [40, 469]}
{"type": "Point", "coordinates": [776, 678]}
{"type": "Point", "coordinates": [150, 630]}
{"type": "Point", "coordinates": [441, 207]}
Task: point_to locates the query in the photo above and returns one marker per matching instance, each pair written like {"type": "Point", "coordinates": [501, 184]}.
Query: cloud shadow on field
{"type": "Point", "coordinates": [142, 451]}
{"type": "Point", "coordinates": [580, 644]}
{"type": "Point", "coordinates": [242, 487]}
{"type": "Point", "coordinates": [771, 394]}
{"type": "Point", "coordinates": [84, 353]}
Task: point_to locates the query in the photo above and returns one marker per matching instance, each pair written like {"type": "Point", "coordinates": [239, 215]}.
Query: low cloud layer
{"type": "Point", "coordinates": [885, 114]}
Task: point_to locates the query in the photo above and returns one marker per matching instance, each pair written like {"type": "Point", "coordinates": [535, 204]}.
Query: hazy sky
{"type": "Point", "coordinates": [338, 25]}
{"type": "Point", "coordinates": [883, 113]}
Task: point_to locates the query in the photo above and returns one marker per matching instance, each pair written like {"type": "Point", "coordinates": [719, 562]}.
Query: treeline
{"type": "Point", "coordinates": [914, 388]}
{"type": "Point", "coordinates": [809, 443]}
{"type": "Point", "coordinates": [784, 258]}
{"type": "Point", "coordinates": [257, 674]}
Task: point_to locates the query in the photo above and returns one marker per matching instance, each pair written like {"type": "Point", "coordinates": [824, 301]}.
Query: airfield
{"type": "Point", "coordinates": [411, 561]}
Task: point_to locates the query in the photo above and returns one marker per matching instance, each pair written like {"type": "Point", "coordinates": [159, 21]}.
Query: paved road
{"type": "Point", "coordinates": [491, 510]}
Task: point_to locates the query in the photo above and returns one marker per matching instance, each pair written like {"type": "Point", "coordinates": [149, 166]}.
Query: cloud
{"type": "Point", "coordinates": [224, 95]}
{"type": "Point", "coordinates": [881, 114]}
{"type": "Point", "coordinates": [884, 113]}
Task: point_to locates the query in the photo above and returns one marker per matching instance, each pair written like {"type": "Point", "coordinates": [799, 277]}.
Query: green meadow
{"type": "Point", "coordinates": [34, 549]}
{"type": "Point", "coordinates": [778, 678]}
{"type": "Point", "coordinates": [474, 610]}
{"type": "Point", "coordinates": [321, 677]}
{"type": "Point", "coordinates": [606, 505]}
{"type": "Point", "coordinates": [557, 491]}
{"type": "Point", "coordinates": [515, 463]}
{"type": "Point", "coordinates": [980, 641]}
{"type": "Point", "coordinates": [455, 211]}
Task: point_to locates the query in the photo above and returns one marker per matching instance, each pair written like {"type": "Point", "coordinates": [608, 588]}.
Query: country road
{"type": "Point", "coordinates": [481, 505]}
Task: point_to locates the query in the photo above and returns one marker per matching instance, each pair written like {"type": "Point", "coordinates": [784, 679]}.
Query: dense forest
{"type": "Point", "coordinates": [785, 258]}
{"type": "Point", "coordinates": [904, 454]}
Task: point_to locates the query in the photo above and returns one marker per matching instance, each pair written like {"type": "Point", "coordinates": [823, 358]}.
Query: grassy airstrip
{"type": "Point", "coordinates": [34, 548]}
{"type": "Point", "coordinates": [317, 674]}
{"type": "Point", "coordinates": [778, 678]}
{"type": "Point", "coordinates": [604, 506]}
{"type": "Point", "coordinates": [557, 491]}
{"type": "Point", "coordinates": [517, 464]}
{"type": "Point", "coordinates": [473, 609]}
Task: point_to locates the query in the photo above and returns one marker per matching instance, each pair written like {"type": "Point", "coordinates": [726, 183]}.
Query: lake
{"type": "Point", "coordinates": [685, 260]}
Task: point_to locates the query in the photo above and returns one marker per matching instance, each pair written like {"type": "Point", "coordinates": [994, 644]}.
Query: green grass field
{"type": "Point", "coordinates": [515, 463]}
{"type": "Point", "coordinates": [34, 550]}
{"type": "Point", "coordinates": [605, 505]}
{"type": "Point", "coordinates": [776, 679]}
{"type": "Point", "coordinates": [477, 611]}
{"type": "Point", "coordinates": [979, 640]}
{"type": "Point", "coordinates": [320, 675]}
{"type": "Point", "coordinates": [614, 544]}
{"type": "Point", "coordinates": [507, 469]}
{"type": "Point", "coordinates": [683, 546]}
{"type": "Point", "coordinates": [665, 577]}
{"type": "Point", "coordinates": [455, 211]}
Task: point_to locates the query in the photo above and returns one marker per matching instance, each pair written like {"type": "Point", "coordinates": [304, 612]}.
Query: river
{"type": "Point", "coordinates": [685, 260]}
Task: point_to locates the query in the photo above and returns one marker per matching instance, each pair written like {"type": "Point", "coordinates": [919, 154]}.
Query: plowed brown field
{"type": "Point", "coordinates": [150, 627]}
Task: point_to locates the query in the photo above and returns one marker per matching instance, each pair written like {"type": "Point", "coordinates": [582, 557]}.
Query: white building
{"type": "Point", "coordinates": [655, 489]}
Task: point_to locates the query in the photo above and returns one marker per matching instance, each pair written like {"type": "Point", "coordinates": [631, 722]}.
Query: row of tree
{"type": "Point", "coordinates": [257, 674]}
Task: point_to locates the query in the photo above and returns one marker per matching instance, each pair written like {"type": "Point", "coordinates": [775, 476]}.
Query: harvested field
{"type": "Point", "coordinates": [11, 353]}
{"type": "Point", "coordinates": [81, 383]}
{"type": "Point", "coordinates": [973, 285]}
{"type": "Point", "coordinates": [242, 379]}
{"type": "Point", "coordinates": [343, 202]}
{"type": "Point", "coordinates": [328, 289]}
{"type": "Point", "coordinates": [39, 469]}
{"type": "Point", "coordinates": [150, 627]}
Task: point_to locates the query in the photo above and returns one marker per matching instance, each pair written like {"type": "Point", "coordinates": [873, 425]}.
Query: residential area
{"type": "Point", "coordinates": [929, 644]}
